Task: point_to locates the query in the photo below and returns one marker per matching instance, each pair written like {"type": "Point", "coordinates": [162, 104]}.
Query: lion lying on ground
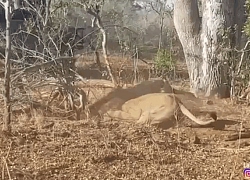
{"type": "Point", "coordinates": [116, 98]}
{"type": "Point", "coordinates": [162, 109]}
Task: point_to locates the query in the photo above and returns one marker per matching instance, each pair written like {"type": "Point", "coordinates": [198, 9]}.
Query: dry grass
{"type": "Point", "coordinates": [52, 148]}
{"type": "Point", "coordinates": [122, 68]}
{"type": "Point", "coordinates": [47, 147]}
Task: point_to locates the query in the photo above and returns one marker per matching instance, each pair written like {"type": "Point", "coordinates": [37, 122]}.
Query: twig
{"type": "Point", "coordinates": [5, 162]}
{"type": "Point", "coordinates": [242, 57]}
{"type": "Point", "coordinates": [41, 66]}
{"type": "Point", "coordinates": [7, 168]}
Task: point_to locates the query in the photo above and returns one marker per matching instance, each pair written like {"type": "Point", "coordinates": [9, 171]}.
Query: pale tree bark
{"type": "Point", "coordinates": [187, 23]}
{"type": "Point", "coordinates": [94, 11]}
{"type": "Point", "coordinates": [47, 13]}
{"type": "Point", "coordinates": [7, 103]}
{"type": "Point", "coordinates": [17, 4]}
{"type": "Point", "coordinates": [203, 44]}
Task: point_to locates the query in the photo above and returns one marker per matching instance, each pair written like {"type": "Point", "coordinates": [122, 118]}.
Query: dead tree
{"type": "Point", "coordinates": [7, 103]}
{"type": "Point", "coordinates": [94, 11]}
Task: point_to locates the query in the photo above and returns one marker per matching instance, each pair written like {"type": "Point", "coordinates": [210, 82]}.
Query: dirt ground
{"type": "Point", "coordinates": [43, 147]}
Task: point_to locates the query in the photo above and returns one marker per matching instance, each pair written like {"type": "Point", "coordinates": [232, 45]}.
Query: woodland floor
{"type": "Point", "coordinates": [51, 148]}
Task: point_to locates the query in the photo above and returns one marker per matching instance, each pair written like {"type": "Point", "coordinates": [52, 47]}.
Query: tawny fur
{"type": "Point", "coordinates": [116, 98]}
{"type": "Point", "coordinates": [162, 109]}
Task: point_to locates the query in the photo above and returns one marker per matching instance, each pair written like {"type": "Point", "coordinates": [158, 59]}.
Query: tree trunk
{"type": "Point", "coordinates": [161, 31]}
{"type": "Point", "coordinates": [98, 22]}
{"type": "Point", "coordinates": [203, 43]}
{"type": "Point", "coordinates": [17, 4]}
{"type": "Point", "coordinates": [7, 105]}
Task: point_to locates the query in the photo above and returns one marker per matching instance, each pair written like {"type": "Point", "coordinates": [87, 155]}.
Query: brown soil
{"type": "Point", "coordinates": [55, 148]}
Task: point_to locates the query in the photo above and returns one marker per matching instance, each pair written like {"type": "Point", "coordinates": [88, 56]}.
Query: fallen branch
{"type": "Point", "coordinates": [233, 137]}
{"type": "Point", "coordinates": [42, 66]}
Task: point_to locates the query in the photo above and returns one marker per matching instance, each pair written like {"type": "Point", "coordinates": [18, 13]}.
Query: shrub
{"type": "Point", "coordinates": [165, 64]}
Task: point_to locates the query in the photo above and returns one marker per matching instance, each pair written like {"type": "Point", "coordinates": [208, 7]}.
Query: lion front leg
{"type": "Point", "coordinates": [121, 115]}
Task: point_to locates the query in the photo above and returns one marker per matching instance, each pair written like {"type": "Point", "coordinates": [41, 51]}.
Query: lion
{"type": "Point", "coordinates": [161, 109]}
{"type": "Point", "coordinates": [116, 98]}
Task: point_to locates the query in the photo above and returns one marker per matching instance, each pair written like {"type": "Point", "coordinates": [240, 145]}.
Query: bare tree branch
{"type": "Point", "coordinates": [7, 103]}
{"type": "Point", "coordinates": [94, 11]}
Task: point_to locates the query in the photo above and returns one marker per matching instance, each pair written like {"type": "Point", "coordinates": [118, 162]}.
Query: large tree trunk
{"type": "Point", "coordinates": [203, 43]}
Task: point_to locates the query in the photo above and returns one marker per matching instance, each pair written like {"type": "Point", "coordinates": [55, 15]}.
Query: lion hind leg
{"type": "Point", "coordinates": [157, 115]}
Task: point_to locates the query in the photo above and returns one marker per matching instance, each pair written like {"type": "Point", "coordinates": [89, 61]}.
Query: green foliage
{"type": "Point", "coordinates": [244, 76]}
{"type": "Point", "coordinates": [247, 24]}
{"type": "Point", "coordinates": [164, 61]}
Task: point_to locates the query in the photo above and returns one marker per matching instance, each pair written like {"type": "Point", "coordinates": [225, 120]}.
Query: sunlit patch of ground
{"type": "Point", "coordinates": [56, 148]}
